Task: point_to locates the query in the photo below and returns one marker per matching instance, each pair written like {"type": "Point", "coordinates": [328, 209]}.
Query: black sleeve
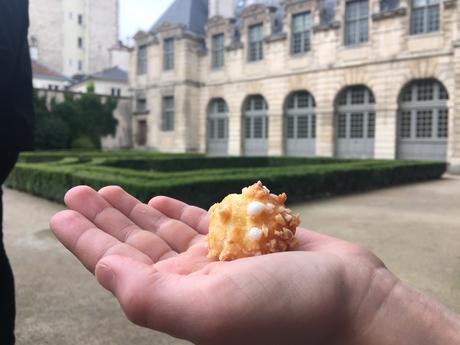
{"type": "Point", "coordinates": [16, 101]}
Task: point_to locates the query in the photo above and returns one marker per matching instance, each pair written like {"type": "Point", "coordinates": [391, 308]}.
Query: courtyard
{"type": "Point", "coordinates": [413, 228]}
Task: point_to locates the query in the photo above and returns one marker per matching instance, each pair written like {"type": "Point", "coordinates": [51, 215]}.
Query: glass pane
{"type": "Point", "coordinates": [419, 3]}
{"type": "Point", "coordinates": [433, 18]}
{"type": "Point", "coordinates": [357, 126]}
{"type": "Point", "coordinates": [442, 92]}
{"type": "Point", "coordinates": [259, 103]}
{"type": "Point", "coordinates": [343, 97]}
{"type": "Point", "coordinates": [290, 127]}
{"type": "Point", "coordinates": [303, 100]}
{"type": "Point", "coordinates": [425, 91]}
{"type": "Point", "coordinates": [247, 127]}
{"type": "Point", "coordinates": [221, 129]}
{"type": "Point", "coordinates": [418, 20]}
{"type": "Point", "coordinates": [357, 95]}
{"type": "Point", "coordinates": [342, 126]}
{"type": "Point", "coordinates": [405, 125]}
{"type": "Point", "coordinates": [407, 94]}
{"type": "Point", "coordinates": [258, 127]}
{"type": "Point", "coordinates": [351, 32]}
{"type": "Point", "coordinates": [443, 124]}
{"type": "Point", "coordinates": [371, 125]}
{"type": "Point", "coordinates": [291, 101]}
{"type": "Point", "coordinates": [297, 43]}
{"type": "Point", "coordinates": [424, 124]}
{"type": "Point", "coordinates": [313, 126]}
{"type": "Point", "coordinates": [211, 130]}
{"type": "Point", "coordinates": [302, 127]}
{"type": "Point", "coordinates": [363, 30]}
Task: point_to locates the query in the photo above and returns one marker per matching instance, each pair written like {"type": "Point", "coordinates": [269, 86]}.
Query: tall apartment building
{"type": "Point", "coordinates": [344, 78]}
{"type": "Point", "coordinates": [73, 36]}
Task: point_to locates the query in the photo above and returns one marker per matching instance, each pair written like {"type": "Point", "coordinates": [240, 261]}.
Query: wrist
{"type": "Point", "coordinates": [393, 311]}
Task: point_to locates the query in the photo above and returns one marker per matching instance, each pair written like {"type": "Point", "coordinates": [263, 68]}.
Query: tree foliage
{"type": "Point", "coordinates": [59, 124]}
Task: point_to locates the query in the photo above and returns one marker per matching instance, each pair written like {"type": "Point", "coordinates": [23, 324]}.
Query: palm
{"type": "Point", "coordinates": [165, 281]}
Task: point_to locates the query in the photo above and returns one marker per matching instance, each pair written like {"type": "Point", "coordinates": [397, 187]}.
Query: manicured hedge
{"type": "Point", "coordinates": [300, 179]}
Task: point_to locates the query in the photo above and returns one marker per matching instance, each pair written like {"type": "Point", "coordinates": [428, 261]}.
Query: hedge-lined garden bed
{"type": "Point", "coordinates": [202, 181]}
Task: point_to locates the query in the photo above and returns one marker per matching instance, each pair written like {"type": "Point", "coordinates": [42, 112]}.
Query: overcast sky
{"type": "Point", "coordinates": [139, 14]}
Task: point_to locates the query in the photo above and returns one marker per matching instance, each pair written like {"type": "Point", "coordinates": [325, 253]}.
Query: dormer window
{"type": "Point", "coordinates": [142, 59]}
{"type": "Point", "coordinates": [217, 51]}
{"type": "Point", "coordinates": [255, 52]}
{"type": "Point", "coordinates": [168, 54]}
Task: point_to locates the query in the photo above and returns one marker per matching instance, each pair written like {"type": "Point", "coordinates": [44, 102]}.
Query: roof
{"type": "Point", "coordinates": [40, 70]}
{"type": "Point", "coordinates": [193, 14]}
{"type": "Point", "coordinates": [111, 74]}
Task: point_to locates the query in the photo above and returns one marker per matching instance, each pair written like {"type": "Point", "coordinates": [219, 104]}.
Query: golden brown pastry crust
{"type": "Point", "coordinates": [249, 224]}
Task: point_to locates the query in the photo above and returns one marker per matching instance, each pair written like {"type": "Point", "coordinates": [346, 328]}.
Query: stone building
{"type": "Point", "coordinates": [357, 78]}
{"type": "Point", "coordinates": [73, 36]}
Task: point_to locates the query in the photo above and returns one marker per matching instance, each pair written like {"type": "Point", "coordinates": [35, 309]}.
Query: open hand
{"type": "Point", "coordinates": [153, 259]}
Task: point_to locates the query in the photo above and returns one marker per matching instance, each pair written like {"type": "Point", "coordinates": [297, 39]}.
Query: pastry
{"type": "Point", "coordinates": [252, 223]}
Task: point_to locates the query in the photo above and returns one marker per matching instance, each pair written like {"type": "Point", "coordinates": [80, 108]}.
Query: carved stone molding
{"type": "Point", "coordinates": [326, 27]}
{"type": "Point", "coordinates": [399, 12]}
{"type": "Point", "coordinates": [296, 6]}
{"type": "Point", "coordinates": [276, 37]}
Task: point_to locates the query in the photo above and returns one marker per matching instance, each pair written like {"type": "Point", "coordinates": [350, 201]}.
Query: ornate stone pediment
{"type": "Point", "coordinates": [218, 23]}
{"type": "Point", "coordinates": [141, 35]}
{"type": "Point", "coordinates": [293, 6]}
{"type": "Point", "coordinates": [170, 29]}
{"type": "Point", "coordinates": [256, 10]}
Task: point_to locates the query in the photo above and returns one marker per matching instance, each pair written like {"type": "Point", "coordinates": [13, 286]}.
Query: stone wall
{"type": "Point", "coordinates": [385, 64]}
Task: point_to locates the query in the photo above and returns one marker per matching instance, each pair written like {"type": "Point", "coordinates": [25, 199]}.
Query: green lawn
{"type": "Point", "coordinates": [202, 181]}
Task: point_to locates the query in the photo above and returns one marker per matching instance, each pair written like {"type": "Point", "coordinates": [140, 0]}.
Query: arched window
{"type": "Point", "coordinates": [217, 127]}
{"type": "Point", "coordinates": [300, 124]}
{"type": "Point", "coordinates": [423, 121]}
{"type": "Point", "coordinates": [355, 123]}
{"type": "Point", "coordinates": [255, 126]}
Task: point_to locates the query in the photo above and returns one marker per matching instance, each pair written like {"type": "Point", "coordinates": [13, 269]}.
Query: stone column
{"type": "Point", "coordinates": [234, 133]}
{"type": "Point", "coordinates": [325, 131]}
{"type": "Point", "coordinates": [385, 142]}
{"type": "Point", "coordinates": [454, 115]}
{"type": "Point", "coordinates": [275, 134]}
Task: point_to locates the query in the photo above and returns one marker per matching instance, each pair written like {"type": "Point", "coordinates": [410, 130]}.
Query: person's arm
{"type": "Point", "coordinates": [404, 316]}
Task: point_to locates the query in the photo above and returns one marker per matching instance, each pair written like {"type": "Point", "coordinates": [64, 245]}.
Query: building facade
{"type": "Point", "coordinates": [73, 36]}
{"type": "Point", "coordinates": [352, 79]}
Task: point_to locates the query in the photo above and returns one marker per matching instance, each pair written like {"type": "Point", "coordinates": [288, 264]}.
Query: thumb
{"type": "Point", "coordinates": [133, 283]}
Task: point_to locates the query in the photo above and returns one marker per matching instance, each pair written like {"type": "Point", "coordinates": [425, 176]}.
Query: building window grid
{"type": "Point", "coordinates": [313, 126]}
{"type": "Point", "coordinates": [168, 54]}
{"type": "Point", "coordinates": [255, 43]}
{"type": "Point", "coordinates": [371, 125]}
{"type": "Point", "coordinates": [142, 59]}
{"type": "Point", "coordinates": [356, 22]}
{"type": "Point", "coordinates": [443, 123]}
{"type": "Point", "coordinates": [405, 125]}
{"type": "Point", "coordinates": [357, 125]}
{"type": "Point", "coordinates": [342, 126]}
{"type": "Point", "coordinates": [301, 24]}
{"type": "Point", "coordinates": [290, 127]}
{"type": "Point", "coordinates": [424, 124]}
{"type": "Point", "coordinates": [217, 51]}
{"type": "Point", "coordinates": [425, 16]}
{"type": "Point", "coordinates": [168, 114]}
{"type": "Point", "coordinates": [141, 104]}
{"type": "Point", "coordinates": [302, 127]}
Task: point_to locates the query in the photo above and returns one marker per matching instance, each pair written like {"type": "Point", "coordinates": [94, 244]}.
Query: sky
{"type": "Point", "coordinates": [139, 14]}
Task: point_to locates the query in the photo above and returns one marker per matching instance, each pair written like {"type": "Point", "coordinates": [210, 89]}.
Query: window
{"type": "Point", "coordinates": [167, 123]}
{"type": "Point", "coordinates": [388, 5]}
{"type": "Point", "coordinates": [80, 65]}
{"type": "Point", "coordinates": [290, 127]}
{"type": "Point", "coordinates": [255, 43]}
{"type": "Point", "coordinates": [168, 54]}
{"type": "Point", "coordinates": [141, 104]}
{"type": "Point", "coordinates": [425, 16]}
{"type": "Point", "coordinates": [327, 12]}
{"type": "Point", "coordinates": [300, 33]}
{"type": "Point", "coordinates": [356, 22]}
{"type": "Point", "coordinates": [217, 51]}
{"type": "Point", "coordinates": [142, 60]}
{"type": "Point", "coordinates": [302, 127]}
{"type": "Point", "coordinates": [371, 125]}
{"type": "Point", "coordinates": [80, 42]}
{"type": "Point", "coordinates": [80, 19]}
{"type": "Point", "coordinates": [115, 92]}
